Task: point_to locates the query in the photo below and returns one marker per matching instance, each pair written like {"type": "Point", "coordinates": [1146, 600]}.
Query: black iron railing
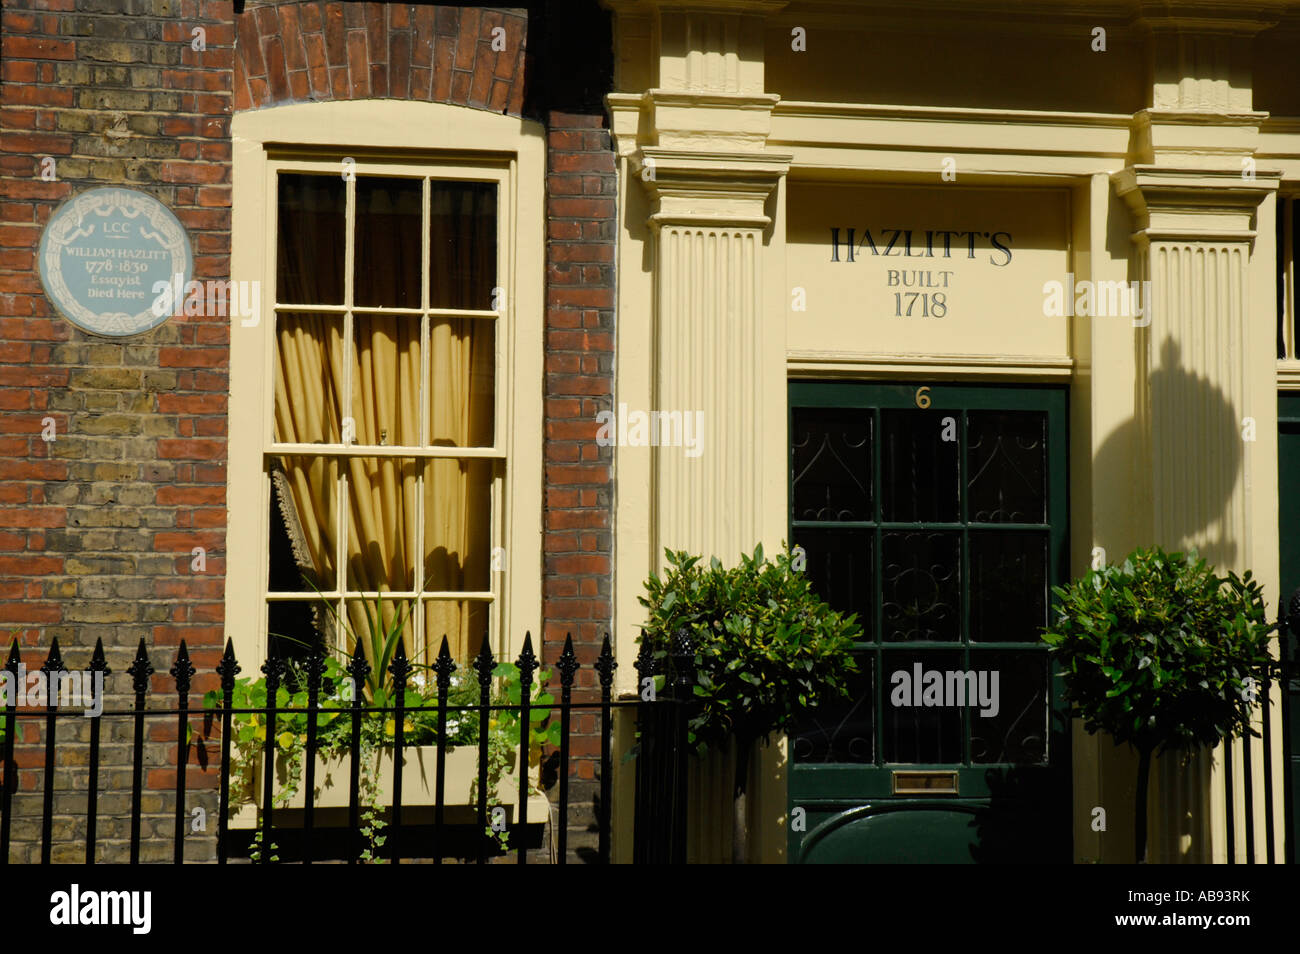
{"type": "Point", "coordinates": [1288, 624]}
{"type": "Point", "coordinates": [659, 832]}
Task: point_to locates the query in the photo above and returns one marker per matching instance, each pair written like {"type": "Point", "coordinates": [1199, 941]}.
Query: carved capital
{"type": "Point", "coordinates": [711, 189]}
{"type": "Point", "coordinates": [1193, 204]}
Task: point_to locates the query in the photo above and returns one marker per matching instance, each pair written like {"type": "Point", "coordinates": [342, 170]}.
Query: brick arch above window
{"type": "Point", "coordinates": [323, 50]}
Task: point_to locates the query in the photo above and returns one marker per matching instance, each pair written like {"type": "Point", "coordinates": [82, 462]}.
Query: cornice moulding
{"type": "Point", "coordinates": [643, 7]}
{"type": "Point", "coordinates": [1198, 117]}
{"type": "Point", "coordinates": [1198, 186]}
{"type": "Point", "coordinates": [706, 98]}
{"type": "Point", "coordinates": [718, 164]}
{"type": "Point", "coordinates": [1288, 375]}
{"type": "Point", "coordinates": [1192, 205]}
{"type": "Point", "coordinates": [709, 220]}
{"type": "Point", "coordinates": [712, 190]}
{"type": "Point", "coordinates": [1152, 233]}
{"type": "Point", "coordinates": [964, 20]}
{"type": "Point", "coordinates": [1203, 25]}
{"type": "Point", "coordinates": [848, 363]}
{"type": "Point", "coordinates": [963, 114]}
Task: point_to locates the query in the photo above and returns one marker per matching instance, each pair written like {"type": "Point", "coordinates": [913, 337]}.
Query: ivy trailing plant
{"type": "Point", "coordinates": [378, 729]}
{"type": "Point", "coordinates": [1162, 654]}
{"type": "Point", "coordinates": [766, 650]}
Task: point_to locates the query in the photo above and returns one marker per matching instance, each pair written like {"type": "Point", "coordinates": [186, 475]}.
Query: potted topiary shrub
{"type": "Point", "coordinates": [1162, 654]}
{"type": "Point", "coordinates": [765, 650]}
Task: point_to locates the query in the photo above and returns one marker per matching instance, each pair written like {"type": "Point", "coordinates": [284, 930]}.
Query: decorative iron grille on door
{"type": "Point", "coordinates": [938, 515]}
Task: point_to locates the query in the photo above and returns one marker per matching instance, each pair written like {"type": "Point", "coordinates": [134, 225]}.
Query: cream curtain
{"type": "Point", "coordinates": [382, 506]}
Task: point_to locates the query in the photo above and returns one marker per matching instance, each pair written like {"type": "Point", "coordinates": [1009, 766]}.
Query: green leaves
{"type": "Point", "coordinates": [766, 648]}
{"type": "Point", "coordinates": [378, 730]}
{"type": "Point", "coordinates": [1154, 651]}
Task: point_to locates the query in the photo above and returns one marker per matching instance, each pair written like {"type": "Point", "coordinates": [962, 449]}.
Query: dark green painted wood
{"type": "Point", "coordinates": [1003, 812]}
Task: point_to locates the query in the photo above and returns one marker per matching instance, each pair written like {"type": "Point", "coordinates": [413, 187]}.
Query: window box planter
{"type": "Point", "coordinates": [419, 776]}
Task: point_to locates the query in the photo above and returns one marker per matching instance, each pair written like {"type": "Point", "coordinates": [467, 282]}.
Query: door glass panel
{"type": "Point", "coordinates": [831, 450]}
{"type": "Point", "coordinates": [842, 731]}
{"type": "Point", "coordinates": [1007, 463]}
{"type": "Point", "coordinates": [919, 468]}
{"type": "Point", "coordinates": [839, 568]}
{"type": "Point", "coordinates": [1017, 731]}
{"type": "Point", "coordinates": [918, 726]}
{"type": "Point", "coordinates": [956, 551]}
{"type": "Point", "coordinates": [921, 585]}
{"type": "Point", "coordinates": [1008, 591]}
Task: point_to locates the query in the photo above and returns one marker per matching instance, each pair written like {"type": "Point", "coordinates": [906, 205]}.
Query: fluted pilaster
{"type": "Point", "coordinates": [1208, 388]}
{"type": "Point", "coordinates": [712, 346]}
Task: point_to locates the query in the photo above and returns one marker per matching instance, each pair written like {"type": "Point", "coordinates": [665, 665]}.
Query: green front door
{"type": "Point", "coordinates": [938, 515]}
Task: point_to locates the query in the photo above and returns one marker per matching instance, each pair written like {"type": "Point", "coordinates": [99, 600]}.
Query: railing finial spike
{"type": "Point", "coordinates": [444, 666]}
{"type": "Point", "coordinates": [527, 661]}
{"type": "Point", "coordinates": [568, 662]}
{"type": "Point", "coordinates": [183, 670]}
{"type": "Point", "coordinates": [98, 663]}
{"type": "Point", "coordinates": [228, 667]}
{"type": "Point", "coordinates": [54, 661]}
{"type": "Point", "coordinates": [140, 669]}
{"type": "Point", "coordinates": [484, 664]}
{"type": "Point", "coordinates": [605, 664]}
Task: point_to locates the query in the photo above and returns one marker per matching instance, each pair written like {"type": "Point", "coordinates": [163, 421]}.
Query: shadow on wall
{"type": "Point", "coordinates": [1196, 421]}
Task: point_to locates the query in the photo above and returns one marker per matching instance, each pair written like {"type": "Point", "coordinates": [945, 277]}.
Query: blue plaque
{"type": "Point", "coordinates": [104, 256]}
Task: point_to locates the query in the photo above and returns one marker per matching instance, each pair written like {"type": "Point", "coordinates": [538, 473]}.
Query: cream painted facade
{"type": "Point", "coordinates": [747, 131]}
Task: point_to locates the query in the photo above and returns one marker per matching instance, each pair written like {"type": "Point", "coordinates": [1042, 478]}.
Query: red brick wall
{"type": "Point", "coordinates": [97, 527]}
{"type": "Point", "coordinates": [581, 205]}
{"type": "Point", "coordinates": [306, 52]}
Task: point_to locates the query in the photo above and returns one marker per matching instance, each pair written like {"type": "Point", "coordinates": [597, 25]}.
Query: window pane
{"type": "Point", "coordinates": [463, 622]}
{"type": "Point", "coordinates": [304, 524]}
{"type": "Point", "coordinates": [309, 378]}
{"type": "Point", "coordinates": [920, 727]}
{"type": "Point", "coordinates": [1008, 597]}
{"type": "Point", "coordinates": [386, 380]}
{"type": "Point", "coordinates": [387, 253]}
{"type": "Point", "coordinates": [463, 245]}
{"type": "Point", "coordinates": [382, 519]}
{"type": "Point", "coordinates": [458, 525]}
{"type": "Point", "coordinates": [293, 627]}
{"type": "Point", "coordinates": [462, 381]}
{"type": "Point", "coordinates": [370, 619]}
{"type": "Point", "coordinates": [921, 597]}
{"type": "Point", "coordinates": [1017, 731]}
{"type": "Point", "coordinates": [310, 247]}
{"type": "Point", "coordinates": [843, 730]}
{"type": "Point", "coordinates": [1007, 457]}
{"type": "Point", "coordinates": [839, 569]}
{"type": "Point", "coordinates": [918, 467]}
{"type": "Point", "coordinates": [831, 460]}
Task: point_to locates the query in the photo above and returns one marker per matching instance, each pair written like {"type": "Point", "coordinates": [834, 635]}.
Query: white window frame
{"type": "Point", "coordinates": [388, 137]}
